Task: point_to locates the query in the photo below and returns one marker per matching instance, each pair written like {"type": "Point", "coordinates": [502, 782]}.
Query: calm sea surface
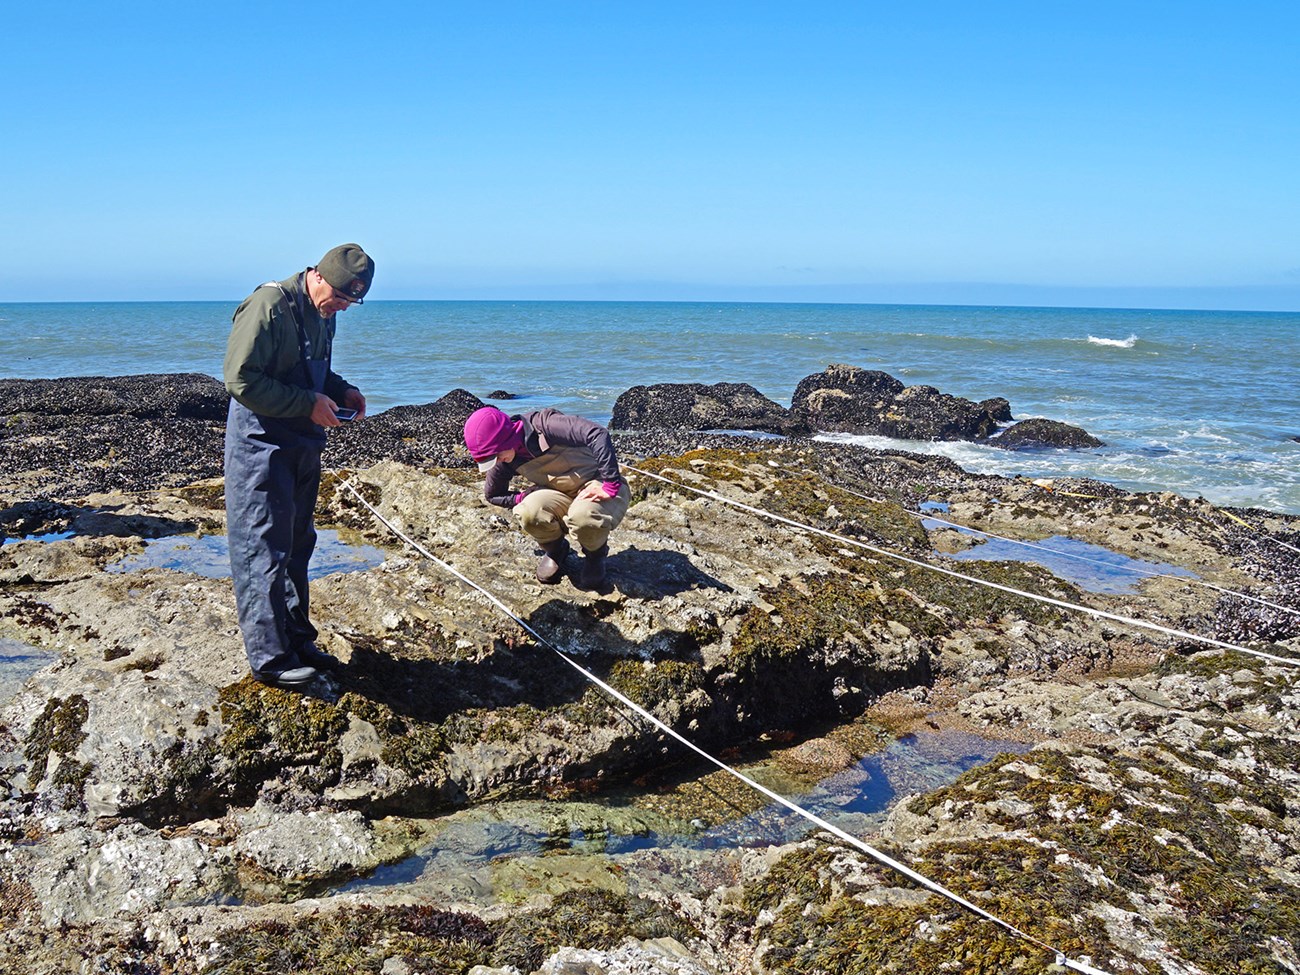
{"type": "Point", "coordinates": [1202, 403]}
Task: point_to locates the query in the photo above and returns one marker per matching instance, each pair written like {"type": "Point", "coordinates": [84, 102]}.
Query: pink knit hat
{"type": "Point", "coordinates": [488, 431]}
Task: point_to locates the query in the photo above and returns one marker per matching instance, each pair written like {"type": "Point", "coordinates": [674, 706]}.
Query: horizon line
{"type": "Point", "coordinates": [1027, 305]}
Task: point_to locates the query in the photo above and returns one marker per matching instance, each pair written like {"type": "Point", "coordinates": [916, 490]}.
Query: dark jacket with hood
{"type": "Point", "coordinates": [560, 452]}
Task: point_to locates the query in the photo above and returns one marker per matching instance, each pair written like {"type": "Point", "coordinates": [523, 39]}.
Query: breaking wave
{"type": "Point", "coordinates": [1127, 343]}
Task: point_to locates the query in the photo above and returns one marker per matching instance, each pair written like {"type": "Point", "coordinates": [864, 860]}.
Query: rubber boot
{"type": "Point", "coordinates": [592, 575]}
{"type": "Point", "coordinates": [314, 656]}
{"type": "Point", "coordinates": [550, 568]}
{"type": "Point", "coordinates": [291, 679]}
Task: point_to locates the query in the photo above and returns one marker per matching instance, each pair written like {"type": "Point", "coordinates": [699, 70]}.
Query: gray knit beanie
{"type": "Point", "coordinates": [348, 269]}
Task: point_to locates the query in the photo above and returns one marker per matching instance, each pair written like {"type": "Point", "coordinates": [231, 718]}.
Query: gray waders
{"type": "Point", "coordinates": [272, 476]}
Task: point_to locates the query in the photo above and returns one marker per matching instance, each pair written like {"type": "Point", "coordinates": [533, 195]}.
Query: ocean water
{"type": "Point", "coordinates": [1201, 403]}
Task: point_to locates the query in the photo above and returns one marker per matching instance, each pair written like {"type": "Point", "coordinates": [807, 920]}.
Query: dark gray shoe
{"type": "Point", "coordinates": [550, 568]}
{"type": "Point", "coordinates": [592, 573]}
{"type": "Point", "coordinates": [314, 656]}
{"type": "Point", "coordinates": [291, 679]}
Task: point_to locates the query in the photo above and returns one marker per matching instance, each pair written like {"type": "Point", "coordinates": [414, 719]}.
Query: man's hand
{"type": "Point", "coordinates": [353, 400]}
{"type": "Point", "coordinates": [322, 414]}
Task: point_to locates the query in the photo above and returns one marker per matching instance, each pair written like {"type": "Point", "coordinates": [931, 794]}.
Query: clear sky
{"type": "Point", "coordinates": [1110, 153]}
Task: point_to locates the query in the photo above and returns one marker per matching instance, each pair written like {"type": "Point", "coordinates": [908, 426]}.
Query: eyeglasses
{"type": "Point", "coordinates": [339, 295]}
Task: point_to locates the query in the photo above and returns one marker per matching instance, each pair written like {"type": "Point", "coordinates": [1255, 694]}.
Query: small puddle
{"type": "Point", "coordinates": [473, 843]}
{"type": "Point", "coordinates": [18, 661]}
{"type": "Point", "coordinates": [859, 798]}
{"type": "Point", "coordinates": [47, 537]}
{"type": "Point", "coordinates": [1090, 567]}
{"type": "Point", "coordinates": [209, 556]}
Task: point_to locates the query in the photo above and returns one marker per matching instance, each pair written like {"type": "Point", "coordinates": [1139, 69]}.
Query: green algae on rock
{"type": "Point", "coordinates": [738, 631]}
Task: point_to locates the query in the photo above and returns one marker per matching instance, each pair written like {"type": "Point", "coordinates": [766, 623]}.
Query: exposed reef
{"type": "Point", "coordinates": [696, 406]}
{"type": "Point", "coordinates": [164, 813]}
{"type": "Point", "coordinates": [843, 399]}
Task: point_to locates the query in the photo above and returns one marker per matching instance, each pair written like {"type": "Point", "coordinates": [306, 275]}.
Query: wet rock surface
{"type": "Point", "coordinates": [696, 406]}
{"type": "Point", "coordinates": [161, 811]}
{"type": "Point", "coordinates": [852, 400]}
{"type": "Point", "coordinates": [64, 437]}
{"type": "Point", "coordinates": [1040, 434]}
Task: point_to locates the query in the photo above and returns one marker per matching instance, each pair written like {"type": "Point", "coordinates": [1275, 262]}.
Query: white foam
{"type": "Point", "coordinates": [1127, 343]}
{"type": "Point", "coordinates": [1204, 432]}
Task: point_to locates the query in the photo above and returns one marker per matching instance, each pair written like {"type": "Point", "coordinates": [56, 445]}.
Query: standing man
{"type": "Point", "coordinates": [283, 396]}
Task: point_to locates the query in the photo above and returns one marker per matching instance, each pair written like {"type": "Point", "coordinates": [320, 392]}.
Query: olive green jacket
{"type": "Point", "coordinates": [263, 368]}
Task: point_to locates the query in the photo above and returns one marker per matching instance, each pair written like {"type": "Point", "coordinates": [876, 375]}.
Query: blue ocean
{"type": "Point", "coordinates": [1196, 402]}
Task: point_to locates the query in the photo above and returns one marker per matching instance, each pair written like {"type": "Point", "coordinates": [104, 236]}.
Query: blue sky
{"type": "Point", "coordinates": [1107, 153]}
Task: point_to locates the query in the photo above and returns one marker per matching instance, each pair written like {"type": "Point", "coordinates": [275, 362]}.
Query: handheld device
{"type": "Point", "coordinates": [343, 413]}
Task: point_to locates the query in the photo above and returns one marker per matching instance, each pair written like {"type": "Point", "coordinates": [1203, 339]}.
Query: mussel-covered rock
{"type": "Point", "coordinates": [1041, 434]}
{"type": "Point", "coordinates": [695, 406]}
{"type": "Point", "coordinates": [853, 400]}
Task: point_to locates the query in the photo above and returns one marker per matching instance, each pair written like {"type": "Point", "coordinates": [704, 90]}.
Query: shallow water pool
{"type": "Point", "coordinates": [471, 844]}
{"type": "Point", "coordinates": [18, 661]}
{"type": "Point", "coordinates": [209, 556]}
{"type": "Point", "coordinates": [47, 537]}
{"type": "Point", "coordinates": [1090, 567]}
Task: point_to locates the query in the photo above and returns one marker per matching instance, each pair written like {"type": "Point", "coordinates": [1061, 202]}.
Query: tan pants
{"type": "Point", "coordinates": [547, 514]}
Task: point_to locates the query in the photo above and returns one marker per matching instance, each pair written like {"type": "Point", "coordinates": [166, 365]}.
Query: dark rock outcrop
{"type": "Point", "coordinates": [422, 436]}
{"type": "Point", "coordinates": [1040, 434]}
{"type": "Point", "coordinates": [155, 396]}
{"type": "Point", "coordinates": [853, 400]}
{"type": "Point", "coordinates": [86, 433]}
{"type": "Point", "coordinates": [998, 408]}
{"type": "Point", "coordinates": [76, 435]}
{"type": "Point", "coordinates": [695, 406]}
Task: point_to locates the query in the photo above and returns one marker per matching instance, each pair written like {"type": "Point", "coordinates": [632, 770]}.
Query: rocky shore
{"type": "Point", "coordinates": [160, 812]}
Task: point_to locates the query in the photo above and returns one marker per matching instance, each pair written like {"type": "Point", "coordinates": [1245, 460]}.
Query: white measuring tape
{"type": "Point", "coordinates": [975, 580]}
{"type": "Point", "coordinates": [1133, 569]}
{"type": "Point", "coordinates": [871, 851]}
{"type": "Point", "coordinates": [924, 516]}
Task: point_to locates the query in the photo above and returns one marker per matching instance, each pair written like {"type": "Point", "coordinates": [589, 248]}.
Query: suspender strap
{"type": "Point", "coordinates": [296, 313]}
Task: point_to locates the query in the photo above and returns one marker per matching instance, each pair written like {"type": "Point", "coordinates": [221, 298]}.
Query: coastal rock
{"type": "Point", "coordinates": [696, 406]}
{"type": "Point", "coordinates": [163, 811]}
{"type": "Point", "coordinates": [422, 436]}
{"type": "Point", "coordinates": [848, 399]}
{"type": "Point", "coordinates": [158, 722]}
{"type": "Point", "coordinates": [79, 875]}
{"type": "Point", "coordinates": [163, 396]}
{"type": "Point", "coordinates": [1041, 434]}
{"type": "Point", "coordinates": [65, 437]}
{"type": "Point", "coordinates": [663, 956]}
{"type": "Point", "coordinates": [304, 847]}
{"type": "Point", "coordinates": [997, 407]}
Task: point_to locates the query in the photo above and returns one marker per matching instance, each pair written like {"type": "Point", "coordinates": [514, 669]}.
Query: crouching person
{"type": "Point", "coordinates": [576, 485]}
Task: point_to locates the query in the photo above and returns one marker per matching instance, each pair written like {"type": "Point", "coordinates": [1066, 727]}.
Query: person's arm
{"type": "Point", "coordinates": [256, 350]}
{"type": "Point", "coordinates": [496, 486]}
